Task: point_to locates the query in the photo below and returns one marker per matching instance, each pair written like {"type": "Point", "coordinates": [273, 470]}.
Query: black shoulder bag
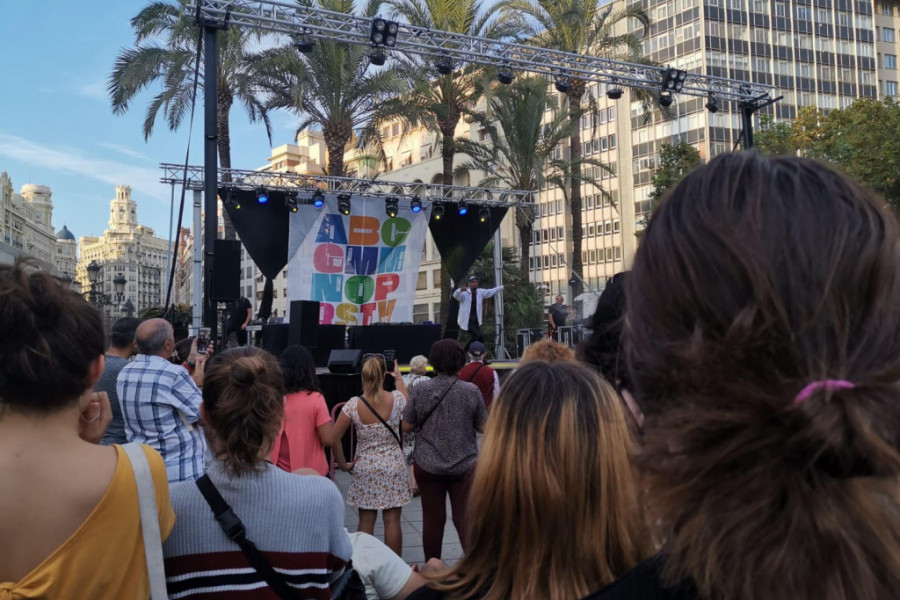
{"type": "Point", "coordinates": [385, 423]}
{"type": "Point", "coordinates": [348, 587]}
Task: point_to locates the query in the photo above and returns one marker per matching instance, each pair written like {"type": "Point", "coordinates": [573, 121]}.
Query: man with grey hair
{"type": "Point", "coordinates": [161, 403]}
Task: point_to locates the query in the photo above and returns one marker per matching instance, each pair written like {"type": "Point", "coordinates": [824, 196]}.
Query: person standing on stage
{"type": "Point", "coordinates": [559, 312]}
{"type": "Point", "coordinates": [239, 314]}
{"type": "Point", "coordinates": [468, 319]}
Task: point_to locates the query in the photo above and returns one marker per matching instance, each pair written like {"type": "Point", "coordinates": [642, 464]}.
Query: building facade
{"type": "Point", "coordinates": [131, 250]}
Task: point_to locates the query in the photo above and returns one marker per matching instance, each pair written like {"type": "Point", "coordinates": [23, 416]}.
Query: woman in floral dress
{"type": "Point", "coordinates": [380, 475]}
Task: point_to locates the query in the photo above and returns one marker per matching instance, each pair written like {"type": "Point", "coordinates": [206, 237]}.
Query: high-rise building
{"type": "Point", "coordinates": [129, 249]}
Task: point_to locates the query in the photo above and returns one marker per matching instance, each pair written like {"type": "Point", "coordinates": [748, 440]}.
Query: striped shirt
{"type": "Point", "coordinates": [161, 408]}
{"type": "Point", "coordinates": [296, 521]}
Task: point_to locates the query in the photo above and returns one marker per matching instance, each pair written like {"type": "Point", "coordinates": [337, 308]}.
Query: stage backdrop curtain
{"type": "Point", "coordinates": [362, 268]}
{"type": "Point", "coordinates": [263, 229]}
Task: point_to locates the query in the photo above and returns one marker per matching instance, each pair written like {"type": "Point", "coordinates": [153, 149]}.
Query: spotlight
{"type": "Point", "coordinates": [305, 45]}
{"type": "Point", "coordinates": [614, 93]}
{"type": "Point", "coordinates": [444, 65]}
{"type": "Point", "coordinates": [673, 79]}
{"type": "Point", "coordinates": [318, 199]}
{"type": "Point", "coordinates": [483, 214]}
{"type": "Point", "coordinates": [711, 104]}
{"type": "Point", "coordinates": [505, 76]}
{"type": "Point", "coordinates": [562, 84]}
{"type": "Point", "coordinates": [463, 208]}
{"type": "Point", "coordinates": [237, 205]}
{"type": "Point", "coordinates": [377, 57]}
{"type": "Point", "coordinates": [232, 197]}
{"type": "Point", "coordinates": [415, 204]}
{"type": "Point", "coordinates": [290, 201]}
{"type": "Point", "coordinates": [384, 32]}
{"type": "Point", "coordinates": [437, 211]}
{"type": "Point", "coordinates": [390, 206]}
{"type": "Point", "coordinates": [262, 196]}
{"type": "Point", "coordinates": [666, 99]}
{"type": "Point", "coordinates": [344, 203]}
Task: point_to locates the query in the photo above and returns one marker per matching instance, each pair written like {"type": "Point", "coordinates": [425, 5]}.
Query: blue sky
{"type": "Point", "coordinates": [57, 128]}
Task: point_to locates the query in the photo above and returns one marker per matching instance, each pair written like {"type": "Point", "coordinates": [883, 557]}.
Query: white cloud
{"type": "Point", "coordinates": [123, 150]}
{"type": "Point", "coordinates": [96, 90]}
{"type": "Point", "coordinates": [74, 161]}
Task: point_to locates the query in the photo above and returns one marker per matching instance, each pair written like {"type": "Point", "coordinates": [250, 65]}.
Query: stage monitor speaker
{"type": "Point", "coordinates": [344, 361]}
{"type": "Point", "coordinates": [305, 323]}
{"type": "Point", "coordinates": [275, 338]}
{"type": "Point", "coordinates": [226, 277]}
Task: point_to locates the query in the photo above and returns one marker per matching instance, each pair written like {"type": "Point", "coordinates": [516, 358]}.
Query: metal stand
{"type": "Point", "coordinates": [748, 109]}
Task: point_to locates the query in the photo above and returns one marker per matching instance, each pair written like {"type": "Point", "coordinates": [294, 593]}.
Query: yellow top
{"type": "Point", "coordinates": [104, 558]}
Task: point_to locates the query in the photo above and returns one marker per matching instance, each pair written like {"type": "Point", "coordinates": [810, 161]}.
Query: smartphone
{"type": "Point", "coordinates": [389, 356]}
{"type": "Point", "coordinates": [203, 334]}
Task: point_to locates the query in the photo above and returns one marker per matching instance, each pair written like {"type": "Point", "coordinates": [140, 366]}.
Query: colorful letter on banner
{"type": "Point", "coordinates": [363, 268]}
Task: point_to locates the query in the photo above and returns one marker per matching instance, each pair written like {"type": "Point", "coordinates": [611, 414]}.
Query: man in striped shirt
{"type": "Point", "coordinates": [161, 402]}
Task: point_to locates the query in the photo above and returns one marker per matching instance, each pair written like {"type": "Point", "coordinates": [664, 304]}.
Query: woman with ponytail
{"type": "Point", "coordinates": [296, 522]}
{"type": "Point", "coordinates": [380, 476]}
{"type": "Point", "coordinates": [762, 334]}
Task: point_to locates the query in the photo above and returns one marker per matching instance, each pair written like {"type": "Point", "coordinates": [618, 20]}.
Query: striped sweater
{"type": "Point", "coordinates": [296, 521]}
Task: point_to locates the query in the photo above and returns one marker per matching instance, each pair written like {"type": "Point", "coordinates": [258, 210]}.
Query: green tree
{"type": "Point", "coordinates": [164, 54]}
{"type": "Point", "coordinates": [674, 162]}
{"type": "Point", "coordinates": [332, 87]}
{"type": "Point", "coordinates": [523, 305]}
{"type": "Point", "coordinates": [583, 27]}
{"type": "Point", "coordinates": [179, 316]}
{"type": "Point", "coordinates": [774, 139]}
{"type": "Point", "coordinates": [520, 151]}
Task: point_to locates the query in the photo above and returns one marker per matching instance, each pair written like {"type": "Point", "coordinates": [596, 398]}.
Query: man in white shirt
{"type": "Point", "coordinates": [468, 319]}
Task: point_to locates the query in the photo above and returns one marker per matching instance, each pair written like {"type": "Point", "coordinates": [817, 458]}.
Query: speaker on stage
{"type": "Point", "coordinates": [305, 323]}
{"type": "Point", "coordinates": [275, 338]}
{"type": "Point", "coordinates": [226, 276]}
{"type": "Point", "coordinates": [344, 361]}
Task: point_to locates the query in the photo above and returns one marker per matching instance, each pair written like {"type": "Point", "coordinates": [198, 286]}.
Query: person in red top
{"type": "Point", "coordinates": [480, 374]}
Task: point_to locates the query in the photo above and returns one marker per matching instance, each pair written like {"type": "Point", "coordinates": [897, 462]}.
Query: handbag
{"type": "Point", "coordinates": [149, 520]}
{"type": "Point", "coordinates": [349, 585]}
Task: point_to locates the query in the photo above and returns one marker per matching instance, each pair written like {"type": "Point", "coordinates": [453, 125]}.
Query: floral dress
{"type": "Point", "coordinates": [380, 475]}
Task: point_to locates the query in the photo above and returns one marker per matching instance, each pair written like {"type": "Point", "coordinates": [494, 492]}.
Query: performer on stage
{"type": "Point", "coordinates": [239, 314]}
{"type": "Point", "coordinates": [468, 319]}
{"type": "Point", "coordinates": [559, 312]}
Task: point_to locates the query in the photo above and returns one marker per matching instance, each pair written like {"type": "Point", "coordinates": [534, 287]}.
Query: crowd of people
{"type": "Point", "coordinates": [730, 430]}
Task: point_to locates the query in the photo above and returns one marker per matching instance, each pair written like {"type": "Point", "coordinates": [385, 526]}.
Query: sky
{"type": "Point", "coordinates": [57, 127]}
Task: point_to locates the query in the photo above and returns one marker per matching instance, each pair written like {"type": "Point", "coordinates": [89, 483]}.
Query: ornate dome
{"type": "Point", "coordinates": [65, 234]}
{"type": "Point", "coordinates": [34, 189]}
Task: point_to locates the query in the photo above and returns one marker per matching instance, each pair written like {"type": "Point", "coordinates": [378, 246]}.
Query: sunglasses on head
{"type": "Point", "coordinates": [374, 355]}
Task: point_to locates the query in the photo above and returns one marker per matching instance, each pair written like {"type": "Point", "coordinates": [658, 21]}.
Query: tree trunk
{"type": "Point", "coordinates": [224, 142]}
{"type": "Point", "coordinates": [574, 97]}
{"type": "Point", "coordinates": [336, 136]}
{"type": "Point", "coordinates": [525, 223]}
{"type": "Point", "coordinates": [448, 130]}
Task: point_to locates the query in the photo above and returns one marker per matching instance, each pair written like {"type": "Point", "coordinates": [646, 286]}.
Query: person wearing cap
{"type": "Point", "coordinates": [468, 319]}
{"type": "Point", "coordinates": [477, 372]}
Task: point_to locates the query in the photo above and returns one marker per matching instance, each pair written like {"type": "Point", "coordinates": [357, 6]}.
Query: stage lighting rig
{"type": "Point", "coordinates": [291, 202]}
{"type": "Point", "coordinates": [377, 57]}
{"type": "Point", "coordinates": [444, 65]}
{"type": "Point", "coordinates": [262, 196]}
{"type": "Point", "coordinates": [318, 199]}
{"type": "Point", "coordinates": [437, 211]}
{"type": "Point", "coordinates": [384, 32]}
{"type": "Point", "coordinates": [305, 45]}
{"type": "Point", "coordinates": [712, 104]}
{"type": "Point", "coordinates": [391, 206]}
{"type": "Point", "coordinates": [462, 208]}
{"type": "Point", "coordinates": [415, 204]}
{"type": "Point", "coordinates": [614, 91]}
{"type": "Point", "coordinates": [344, 203]}
{"type": "Point", "coordinates": [483, 214]}
{"type": "Point", "coordinates": [562, 84]}
{"type": "Point", "coordinates": [673, 80]}
{"type": "Point", "coordinates": [505, 75]}
{"type": "Point", "coordinates": [666, 99]}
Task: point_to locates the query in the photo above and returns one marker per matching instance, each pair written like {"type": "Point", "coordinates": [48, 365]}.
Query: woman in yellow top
{"type": "Point", "coordinates": [69, 514]}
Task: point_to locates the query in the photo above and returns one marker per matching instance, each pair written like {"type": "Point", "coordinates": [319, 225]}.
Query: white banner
{"type": "Point", "coordinates": [363, 268]}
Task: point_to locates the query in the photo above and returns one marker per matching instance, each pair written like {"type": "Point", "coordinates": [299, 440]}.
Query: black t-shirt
{"type": "Point", "coordinates": [559, 314]}
{"type": "Point", "coordinates": [238, 312]}
{"type": "Point", "coordinates": [644, 582]}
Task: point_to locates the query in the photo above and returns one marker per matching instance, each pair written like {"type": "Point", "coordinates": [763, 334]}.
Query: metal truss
{"type": "Point", "coordinates": [270, 181]}
{"type": "Point", "coordinates": [303, 22]}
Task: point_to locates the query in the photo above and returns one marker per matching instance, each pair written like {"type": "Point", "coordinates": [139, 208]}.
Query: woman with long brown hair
{"type": "Point", "coordinates": [763, 339]}
{"type": "Point", "coordinates": [552, 509]}
{"type": "Point", "coordinates": [380, 475]}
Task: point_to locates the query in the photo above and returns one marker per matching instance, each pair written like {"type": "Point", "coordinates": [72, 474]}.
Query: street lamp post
{"type": "Point", "coordinates": [97, 298]}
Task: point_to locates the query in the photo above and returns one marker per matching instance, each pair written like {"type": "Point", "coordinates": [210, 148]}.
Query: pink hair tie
{"type": "Point", "coordinates": [826, 384]}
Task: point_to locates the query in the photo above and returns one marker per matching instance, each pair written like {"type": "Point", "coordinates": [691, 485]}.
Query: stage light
{"type": "Point", "coordinates": [712, 104]}
{"type": "Point", "coordinates": [305, 45]}
{"type": "Point", "coordinates": [666, 99]}
{"type": "Point", "coordinates": [377, 57]}
{"type": "Point", "coordinates": [415, 204]}
{"type": "Point", "coordinates": [384, 32]}
{"type": "Point", "coordinates": [562, 84]}
{"type": "Point", "coordinates": [344, 203]}
{"type": "Point", "coordinates": [673, 79]}
{"type": "Point", "coordinates": [291, 202]}
{"type": "Point", "coordinates": [505, 76]}
{"type": "Point", "coordinates": [483, 214]}
{"type": "Point", "coordinates": [614, 93]}
{"type": "Point", "coordinates": [318, 199]}
{"type": "Point", "coordinates": [437, 211]}
{"type": "Point", "coordinates": [444, 65]}
{"type": "Point", "coordinates": [463, 208]}
{"type": "Point", "coordinates": [391, 205]}
{"type": "Point", "coordinates": [262, 196]}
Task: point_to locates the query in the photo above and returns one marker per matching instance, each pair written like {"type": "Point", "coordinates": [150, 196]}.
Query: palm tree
{"type": "Point", "coordinates": [165, 49]}
{"type": "Point", "coordinates": [520, 154]}
{"type": "Point", "coordinates": [584, 27]}
{"type": "Point", "coordinates": [330, 86]}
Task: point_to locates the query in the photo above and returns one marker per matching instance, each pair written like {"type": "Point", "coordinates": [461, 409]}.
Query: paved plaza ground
{"type": "Point", "coordinates": [411, 520]}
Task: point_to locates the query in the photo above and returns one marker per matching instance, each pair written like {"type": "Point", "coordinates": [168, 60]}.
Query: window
{"type": "Point", "coordinates": [545, 235]}
{"type": "Point", "coordinates": [552, 234]}
{"type": "Point", "coordinates": [436, 278]}
{"type": "Point", "coordinates": [886, 9]}
{"type": "Point", "coordinates": [609, 254]}
{"type": "Point", "coordinates": [530, 263]}
{"type": "Point", "coordinates": [612, 142]}
{"type": "Point", "coordinates": [436, 312]}
{"type": "Point", "coordinates": [887, 35]}
{"type": "Point", "coordinates": [618, 252]}
{"type": "Point", "coordinates": [780, 10]}
{"type": "Point", "coordinates": [553, 261]}
{"type": "Point", "coordinates": [546, 262]}
{"type": "Point", "coordinates": [420, 313]}
{"type": "Point", "coordinates": [559, 233]}
{"type": "Point", "coordinates": [589, 201]}
{"type": "Point", "coordinates": [593, 256]}
{"type": "Point", "coordinates": [604, 144]}
{"type": "Point", "coordinates": [590, 231]}
{"type": "Point", "coordinates": [890, 61]}
{"type": "Point", "coordinates": [607, 227]}
{"type": "Point", "coordinates": [612, 113]}
{"type": "Point", "coordinates": [890, 88]}
{"type": "Point", "coordinates": [617, 227]}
